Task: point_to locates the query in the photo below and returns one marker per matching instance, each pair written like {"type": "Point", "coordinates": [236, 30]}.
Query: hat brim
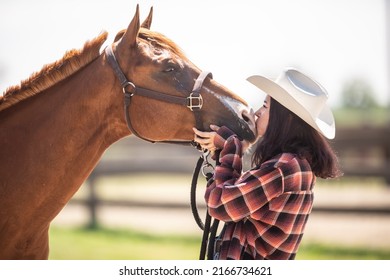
{"type": "Point", "coordinates": [324, 123]}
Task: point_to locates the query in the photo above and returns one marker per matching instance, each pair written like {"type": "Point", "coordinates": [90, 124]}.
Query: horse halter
{"type": "Point", "coordinates": [194, 101]}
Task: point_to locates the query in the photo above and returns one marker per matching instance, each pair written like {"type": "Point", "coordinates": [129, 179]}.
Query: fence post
{"type": "Point", "coordinates": [92, 202]}
{"type": "Point", "coordinates": [387, 154]}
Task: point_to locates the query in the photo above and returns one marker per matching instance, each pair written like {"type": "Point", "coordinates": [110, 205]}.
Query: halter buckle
{"type": "Point", "coordinates": [194, 102]}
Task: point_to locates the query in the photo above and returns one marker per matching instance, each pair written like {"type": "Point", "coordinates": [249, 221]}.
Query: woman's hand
{"type": "Point", "coordinates": [206, 139]}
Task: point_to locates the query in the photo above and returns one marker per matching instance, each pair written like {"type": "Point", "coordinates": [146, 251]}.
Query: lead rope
{"type": "Point", "coordinates": [209, 231]}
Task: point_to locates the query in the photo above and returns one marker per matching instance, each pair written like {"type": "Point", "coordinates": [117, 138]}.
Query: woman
{"type": "Point", "coordinates": [265, 209]}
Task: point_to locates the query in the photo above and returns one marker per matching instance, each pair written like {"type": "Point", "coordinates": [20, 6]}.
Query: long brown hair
{"type": "Point", "coordinates": [287, 133]}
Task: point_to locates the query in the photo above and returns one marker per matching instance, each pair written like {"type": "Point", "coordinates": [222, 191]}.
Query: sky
{"type": "Point", "coordinates": [333, 41]}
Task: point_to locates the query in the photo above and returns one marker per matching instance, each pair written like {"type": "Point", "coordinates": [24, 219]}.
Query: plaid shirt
{"type": "Point", "coordinates": [266, 208]}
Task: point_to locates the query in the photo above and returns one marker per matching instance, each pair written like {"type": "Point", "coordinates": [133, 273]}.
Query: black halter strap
{"type": "Point", "coordinates": [194, 101]}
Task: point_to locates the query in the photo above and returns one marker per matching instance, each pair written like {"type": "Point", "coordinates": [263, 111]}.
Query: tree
{"type": "Point", "coordinates": [358, 94]}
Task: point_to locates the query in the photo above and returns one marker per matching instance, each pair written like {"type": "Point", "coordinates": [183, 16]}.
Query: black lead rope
{"type": "Point", "coordinates": [194, 183]}
{"type": "Point", "coordinates": [209, 227]}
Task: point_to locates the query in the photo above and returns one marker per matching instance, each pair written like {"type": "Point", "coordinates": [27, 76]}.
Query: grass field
{"type": "Point", "coordinates": [115, 242]}
{"type": "Point", "coordinates": [104, 243]}
{"type": "Point", "coordinates": [354, 117]}
{"type": "Point", "coordinates": [119, 244]}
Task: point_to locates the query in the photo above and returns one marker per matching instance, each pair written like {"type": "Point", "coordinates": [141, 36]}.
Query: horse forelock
{"type": "Point", "coordinates": [155, 39]}
{"type": "Point", "coordinates": [159, 40]}
{"type": "Point", "coordinates": [53, 73]}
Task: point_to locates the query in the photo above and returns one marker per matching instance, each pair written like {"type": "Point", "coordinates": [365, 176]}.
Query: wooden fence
{"type": "Point", "coordinates": [363, 152]}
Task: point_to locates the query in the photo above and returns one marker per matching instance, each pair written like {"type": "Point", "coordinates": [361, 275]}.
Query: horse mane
{"type": "Point", "coordinates": [53, 73]}
{"type": "Point", "coordinates": [73, 61]}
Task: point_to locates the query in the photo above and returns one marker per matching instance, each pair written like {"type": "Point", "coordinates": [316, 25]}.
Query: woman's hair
{"type": "Point", "coordinates": [287, 133]}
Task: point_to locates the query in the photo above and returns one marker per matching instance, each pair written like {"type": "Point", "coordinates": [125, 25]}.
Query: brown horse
{"type": "Point", "coordinates": [56, 125]}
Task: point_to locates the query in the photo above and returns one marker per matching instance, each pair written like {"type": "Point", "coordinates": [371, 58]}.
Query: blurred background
{"type": "Point", "coordinates": [135, 205]}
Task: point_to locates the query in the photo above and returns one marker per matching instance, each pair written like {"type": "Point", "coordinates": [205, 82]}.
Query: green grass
{"type": "Point", "coordinates": [331, 252]}
{"type": "Point", "coordinates": [103, 243]}
{"type": "Point", "coordinates": [354, 117]}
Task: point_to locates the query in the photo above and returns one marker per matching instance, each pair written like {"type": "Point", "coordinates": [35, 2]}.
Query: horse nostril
{"type": "Point", "coordinates": [246, 116]}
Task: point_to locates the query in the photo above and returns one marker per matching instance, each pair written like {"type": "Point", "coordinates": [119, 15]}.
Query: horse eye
{"type": "Point", "coordinates": [170, 69]}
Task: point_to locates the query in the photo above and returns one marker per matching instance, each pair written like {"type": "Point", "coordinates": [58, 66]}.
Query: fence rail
{"type": "Point", "coordinates": [363, 152]}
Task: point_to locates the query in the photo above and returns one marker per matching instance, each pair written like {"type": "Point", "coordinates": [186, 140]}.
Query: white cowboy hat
{"type": "Point", "coordinates": [303, 96]}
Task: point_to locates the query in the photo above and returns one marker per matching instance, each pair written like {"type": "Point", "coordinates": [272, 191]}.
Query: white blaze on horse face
{"type": "Point", "coordinates": [242, 111]}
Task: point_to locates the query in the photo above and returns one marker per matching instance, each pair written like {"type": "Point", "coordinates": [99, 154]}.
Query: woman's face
{"type": "Point", "coordinates": [262, 116]}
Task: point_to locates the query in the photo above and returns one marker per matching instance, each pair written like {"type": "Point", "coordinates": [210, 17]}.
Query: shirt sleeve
{"type": "Point", "coordinates": [232, 196]}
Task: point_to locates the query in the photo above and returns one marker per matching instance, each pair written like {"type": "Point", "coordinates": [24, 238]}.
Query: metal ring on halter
{"type": "Point", "coordinates": [204, 171]}
{"type": "Point", "coordinates": [206, 163]}
{"type": "Point", "coordinates": [194, 101]}
{"type": "Point", "coordinates": [132, 91]}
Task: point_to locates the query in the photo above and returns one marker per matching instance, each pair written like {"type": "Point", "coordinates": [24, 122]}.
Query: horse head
{"type": "Point", "coordinates": [150, 62]}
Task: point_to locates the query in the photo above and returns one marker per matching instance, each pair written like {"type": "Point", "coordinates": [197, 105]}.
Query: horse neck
{"type": "Point", "coordinates": [57, 137]}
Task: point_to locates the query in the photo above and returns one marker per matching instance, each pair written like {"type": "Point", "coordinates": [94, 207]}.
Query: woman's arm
{"type": "Point", "coordinates": [230, 196]}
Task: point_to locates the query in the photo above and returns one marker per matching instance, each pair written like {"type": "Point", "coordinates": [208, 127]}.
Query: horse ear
{"type": "Point", "coordinates": [148, 21]}
{"type": "Point", "coordinates": [130, 36]}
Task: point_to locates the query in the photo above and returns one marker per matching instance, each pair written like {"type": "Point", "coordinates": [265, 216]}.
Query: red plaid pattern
{"type": "Point", "coordinates": [265, 208]}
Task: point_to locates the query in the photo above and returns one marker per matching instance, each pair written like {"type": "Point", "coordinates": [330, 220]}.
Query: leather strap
{"type": "Point", "coordinates": [194, 101]}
